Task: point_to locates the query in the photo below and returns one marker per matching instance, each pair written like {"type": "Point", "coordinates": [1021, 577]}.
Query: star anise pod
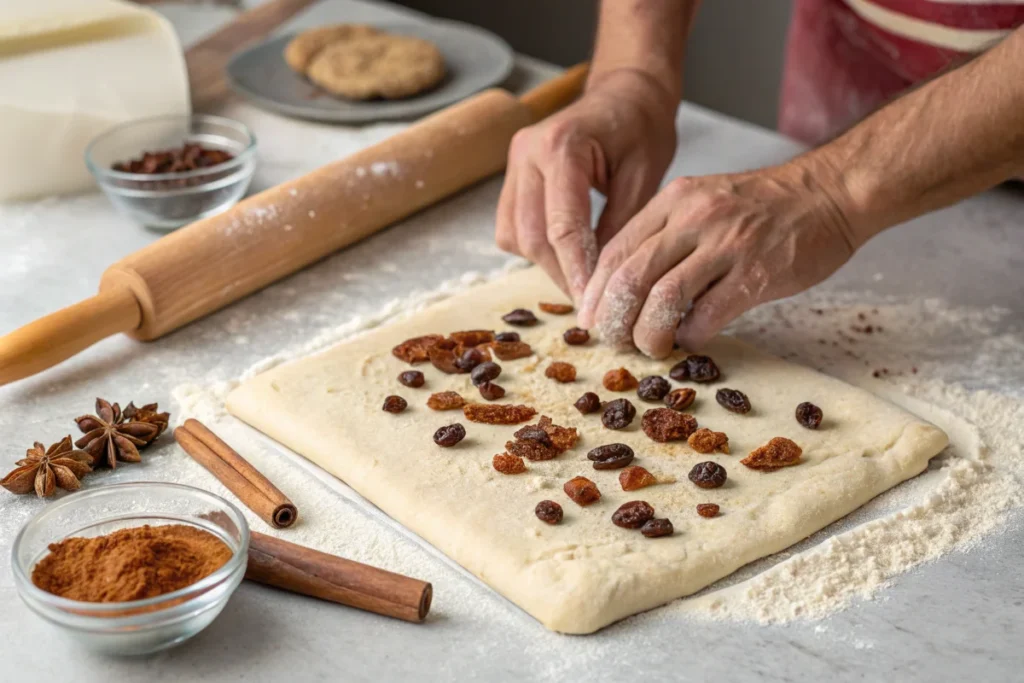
{"type": "Point", "coordinates": [108, 437]}
{"type": "Point", "coordinates": [45, 469]}
{"type": "Point", "coordinates": [148, 413]}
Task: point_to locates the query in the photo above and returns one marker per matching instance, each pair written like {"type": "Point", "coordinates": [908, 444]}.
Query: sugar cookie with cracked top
{"type": "Point", "coordinates": [388, 66]}
{"type": "Point", "coordinates": [303, 48]}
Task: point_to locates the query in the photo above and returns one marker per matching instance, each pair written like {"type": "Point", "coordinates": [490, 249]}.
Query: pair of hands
{"type": "Point", "coordinates": [669, 266]}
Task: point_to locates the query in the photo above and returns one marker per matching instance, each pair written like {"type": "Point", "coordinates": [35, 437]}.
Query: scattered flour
{"type": "Point", "coordinates": [970, 489]}
{"type": "Point", "coordinates": [385, 168]}
{"type": "Point", "coordinates": [967, 493]}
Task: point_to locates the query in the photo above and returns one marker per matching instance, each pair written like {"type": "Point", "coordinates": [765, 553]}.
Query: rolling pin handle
{"type": "Point", "coordinates": [551, 96]}
{"type": "Point", "coordinates": [58, 336]}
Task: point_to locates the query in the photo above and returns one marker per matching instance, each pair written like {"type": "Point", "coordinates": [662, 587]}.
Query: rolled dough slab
{"type": "Point", "coordinates": [584, 573]}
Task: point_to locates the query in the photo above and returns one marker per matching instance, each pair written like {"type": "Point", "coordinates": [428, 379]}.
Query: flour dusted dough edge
{"type": "Point", "coordinates": [584, 574]}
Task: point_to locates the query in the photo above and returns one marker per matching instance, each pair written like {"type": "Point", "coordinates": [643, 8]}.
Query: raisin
{"type": "Point", "coordinates": [485, 372]}
{"type": "Point", "coordinates": [542, 441]}
{"type": "Point", "coordinates": [507, 337]}
{"type": "Point", "coordinates": [449, 435]}
{"type": "Point", "coordinates": [395, 404]}
{"type": "Point", "coordinates": [563, 438]}
{"type": "Point", "coordinates": [588, 403]}
{"type": "Point", "coordinates": [680, 372]}
{"type": "Point", "coordinates": [708, 475]}
{"type": "Point", "coordinates": [556, 309]}
{"type": "Point", "coordinates": [472, 337]}
{"type": "Point", "coordinates": [733, 400]}
{"type": "Point", "coordinates": [619, 379]}
{"type": "Point", "coordinates": [708, 510]}
{"type": "Point", "coordinates": [497, 414]}
{"type": "Point", "coordinates": [653, 388]}
{"type": "Point", "coordinates": [618, 414]}
{"type": "Point", "coordinates": [532, 433]}
{"type": "Point", "coordinates": [635, 477]}
{"type": "Point", "coordinates": [415, 350]}
{"type": "Point", "coordinates": [508, 464]}
{"type": "Point", "coordinates": [561, 372]}
{"type": "Point", "coordinates": [656, 528]}
{"type": "Point", "coordinates": [445, 400]}
{"type": "Point", "coordinates": [511, 350]}
{"type": "Point", "coordinates": [611, 456]}
{"type": "Point", "coordinates": [778, 453]}
{"type": "Point", "coordinates": [491, 391]}
{"type": "Point", "coordinates": [548, 511]}
{"type": "Point", "coordinates": [633, 515]}
{"type": "Point", "coordinates": [412, 378]}
{"type": "Point", "coordinates": [576, 336]}
{"type": "Point", "coordinates": [702, 369]}
{"type": "Point", "coordinates": [664, 424]}
{"type": "Point", "coordinates": [534, 451]}
{"type": "Point", "coordinates": [520, 317]}
{"type": "Point", "coordinates": [582, 491]}
{"type": "Point", "coordinates": [443, 359]}
{"type": "Point", "coordinates": [809, 415]}
{"type": "Point", "coordinates": [470, 359]}
{"type": "Point", "coordinates": [706, 441]}
{"type": "Point", "coordinates": [680, 399]}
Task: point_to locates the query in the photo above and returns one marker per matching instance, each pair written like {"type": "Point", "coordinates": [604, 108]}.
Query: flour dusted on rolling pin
{"type": "Point", "coordinates": [220, 259]}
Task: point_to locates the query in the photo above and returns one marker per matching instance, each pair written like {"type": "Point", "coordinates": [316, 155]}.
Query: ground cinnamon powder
{"type": "Point", "coordinates": [130, 564]}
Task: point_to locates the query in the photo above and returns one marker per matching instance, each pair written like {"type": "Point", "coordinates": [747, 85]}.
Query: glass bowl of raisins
{"type": "Point", "coordinates": [167, 171]}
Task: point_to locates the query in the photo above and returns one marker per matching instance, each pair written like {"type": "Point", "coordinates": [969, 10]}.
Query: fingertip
{"type": "Point", "coordinates": [653, 351]}
{"type": "Point", "coordinates": [656, 344]}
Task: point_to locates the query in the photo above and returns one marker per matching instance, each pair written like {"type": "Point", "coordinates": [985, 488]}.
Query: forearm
{"type": "Point", "coordinates": [956, 136]}
{"type": "Point", "coordinates": [647, 37]}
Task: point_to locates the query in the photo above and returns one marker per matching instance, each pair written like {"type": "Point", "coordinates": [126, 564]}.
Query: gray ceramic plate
{"type": "Point", "coordinates": [474, 59]}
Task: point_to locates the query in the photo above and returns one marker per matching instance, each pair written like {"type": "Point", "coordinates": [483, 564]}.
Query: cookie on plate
{"type": "Point", "coordinates": [301, 49]}
{"type": "Point", "coordinates": [384, 65]}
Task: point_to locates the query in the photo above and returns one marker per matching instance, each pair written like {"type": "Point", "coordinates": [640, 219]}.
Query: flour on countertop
{"type": "Point", "coordinates": [968, 492]}
{"type": "Point", "coordinates": [385, 168]}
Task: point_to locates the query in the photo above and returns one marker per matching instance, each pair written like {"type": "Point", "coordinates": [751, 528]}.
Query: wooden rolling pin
{"type": "Point", "coordinates": [218, 260]}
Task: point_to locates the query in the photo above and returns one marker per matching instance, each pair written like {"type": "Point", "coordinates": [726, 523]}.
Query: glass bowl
{"type": "Point", "coordinates": [139, 626]}
{"type": "Point", "coordinates": [166, 201]}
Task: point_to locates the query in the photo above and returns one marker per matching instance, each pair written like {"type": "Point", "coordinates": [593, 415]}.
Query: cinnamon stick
{"type": "Point", "coordinates": [245, 481]}
{"type": "Point", "coordinates": [310, 572]}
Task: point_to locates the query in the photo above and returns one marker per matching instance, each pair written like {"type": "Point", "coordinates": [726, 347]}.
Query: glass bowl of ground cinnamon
{"type": "Point", "coordinates": [132, 568]}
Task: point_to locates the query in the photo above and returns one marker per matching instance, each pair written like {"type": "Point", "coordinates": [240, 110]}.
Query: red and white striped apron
{"type": "Point", "coordinates": [845, 58]}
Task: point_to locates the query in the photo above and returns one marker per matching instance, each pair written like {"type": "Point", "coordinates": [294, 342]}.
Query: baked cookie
{"type": "Point", "coordinates": [382, 65]}
{"type": "Point", "coordinates": [301, 50]}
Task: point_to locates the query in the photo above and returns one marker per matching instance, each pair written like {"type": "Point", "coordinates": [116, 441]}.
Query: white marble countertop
{"type": "Point", "coordinates": [959, 617]}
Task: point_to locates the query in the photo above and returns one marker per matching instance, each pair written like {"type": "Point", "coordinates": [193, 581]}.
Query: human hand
{"type": "Point", "coordinates": [725, 243]}
{"type": "Point", "coordinates": [618, 138]}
